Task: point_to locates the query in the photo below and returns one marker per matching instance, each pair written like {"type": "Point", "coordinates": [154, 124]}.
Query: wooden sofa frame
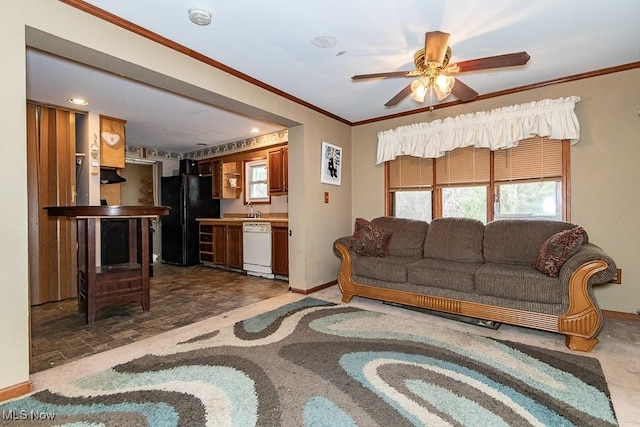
{"type": "Point", "coordinates": [580, 323]}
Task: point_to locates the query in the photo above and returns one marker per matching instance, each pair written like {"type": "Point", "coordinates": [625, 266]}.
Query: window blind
{"type": "Point", "coordinates": [410, 173]}
{"type": "Point", "coordinates": [533, 158]}
{"type": "Point", "coordinates": [463, 166]}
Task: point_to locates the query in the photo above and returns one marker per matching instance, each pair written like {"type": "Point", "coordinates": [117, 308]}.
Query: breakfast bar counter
{"type": "Point", "coordinates": [102, 286]}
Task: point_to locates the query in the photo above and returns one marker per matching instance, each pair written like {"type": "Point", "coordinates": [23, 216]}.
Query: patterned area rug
{"type": "Point", "coordinates": [315, 363]}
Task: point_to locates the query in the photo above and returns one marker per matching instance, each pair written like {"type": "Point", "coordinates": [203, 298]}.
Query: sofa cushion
{"type": "Point", "coordinates": [369, 239]}
{"type": "Point", "coordinates": [518, 241]}
{"type": "Point", "coordinates": [557, 249]}
{"type": "Point", "coordinates": [407, 236]}
{"type": "Point", "coordinates": [518, 282]}
{"type": "Point", "coordinates": [389, 269]}
{"type": "Point", "coordinates": [455, 239]}
{"type": "Point", "coordinates": [444, 274]}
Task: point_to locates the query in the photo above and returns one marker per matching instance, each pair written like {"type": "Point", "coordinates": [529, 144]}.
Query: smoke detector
{"type": "Point", "coordinates": [199, 16]}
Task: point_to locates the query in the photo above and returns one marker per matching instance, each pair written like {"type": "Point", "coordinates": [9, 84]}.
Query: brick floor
{"type": "Point", "coordinates": [179, 296]}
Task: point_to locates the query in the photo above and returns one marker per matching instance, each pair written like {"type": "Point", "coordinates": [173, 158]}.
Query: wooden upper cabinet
{"type": "Point", "coordinates": [231, 180]}
{"type": "Point", "coordinates": [278, 164]}
{"type": "Point", "coordinates": [204, 167]}
{"type": "Point", "coordinates": [112, 142]}
{"type": "Point", "coordinates": [216, 179]}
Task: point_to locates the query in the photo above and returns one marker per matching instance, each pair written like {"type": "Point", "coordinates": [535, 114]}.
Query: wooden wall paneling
{"type": "Point", "coordinates": [52, 242]}
{"type": "Point", "coordinates": [35, 213]}
{"type": "Point", "coordinates": [66, 188]}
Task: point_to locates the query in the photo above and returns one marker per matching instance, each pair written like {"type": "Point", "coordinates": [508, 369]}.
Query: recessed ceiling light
{"type": "Point", "coordinates": [78, 101]}
{"type": "Point", "coordinates": [254, 130]}
{"type": "Point", "coordinates": [199, 15]}
{"type": "Point", "coordinates": [324, 42]}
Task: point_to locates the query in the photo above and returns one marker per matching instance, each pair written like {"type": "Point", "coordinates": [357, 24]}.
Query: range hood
{"type": "Point", "coordinates": [110, 176]}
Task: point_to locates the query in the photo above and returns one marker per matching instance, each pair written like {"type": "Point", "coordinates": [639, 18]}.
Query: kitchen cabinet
{"type": "Point", "coordinates": [212, 168]}
{"type": "Point", "coordinates": [204, 167]}
{"type": "Point", "coordinates": [216, 179]}
{"type": "Point", "coordinates": [112, 142]}
{"type": "Point", "coordinates": [221, 244]}
{"type": "Point", "coordinates": [278, 164]}
{"type": "Point", "coordinates": [231, 180]}
{"type": "Point", "coordinates": [280, 249]}
{"type": "Point", "coordinates": [206, 243]}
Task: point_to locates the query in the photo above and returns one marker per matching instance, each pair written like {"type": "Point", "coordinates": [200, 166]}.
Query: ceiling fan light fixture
{"type": "Point", "coordinates": [443, 86]}
{"type": "Point", "coordinates": [419, 89]}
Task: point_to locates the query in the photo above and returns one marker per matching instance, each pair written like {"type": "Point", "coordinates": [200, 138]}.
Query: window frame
{"type": "Point", "coordinates": [491, 186]}
{"type": "Point", "coordinates": [248, 165]}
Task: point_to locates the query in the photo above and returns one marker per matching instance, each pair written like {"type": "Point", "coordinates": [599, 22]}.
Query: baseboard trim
{"type": "Point", "coordinates": [312, 290]}
{"type": "Point", "coordinates": [16, 390]}
{"type": "Point", "coordinates": [620, 315]}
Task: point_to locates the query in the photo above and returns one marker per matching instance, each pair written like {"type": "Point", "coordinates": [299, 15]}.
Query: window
{"type": "Point", "coordinates": [412, 204]}
{"type": "Point", "coordinates": [465, 202]}
{"type": "Point", "coordinates": [527, 181]}
{"type": "Point", "coordinates": [256, 181]}
{"type": "Point", "coordinates": [411, 183]}
{"type": "Point", "coordinates": [529, 200]}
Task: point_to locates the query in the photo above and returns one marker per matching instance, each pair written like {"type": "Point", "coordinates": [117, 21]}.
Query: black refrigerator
{"type": "Point", "coordinates": [189, 197]}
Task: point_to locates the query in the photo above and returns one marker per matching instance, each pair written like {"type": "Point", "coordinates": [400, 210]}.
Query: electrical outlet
{"type": "Point", "coordinates": [618, 278]}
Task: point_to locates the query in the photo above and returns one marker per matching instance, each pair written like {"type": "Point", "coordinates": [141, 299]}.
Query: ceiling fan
{"type": "Point", "coordinates": [433, 71]}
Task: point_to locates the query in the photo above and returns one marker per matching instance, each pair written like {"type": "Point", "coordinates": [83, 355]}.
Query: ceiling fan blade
{"type": "Point", "coordinates": [435, 46]}
{"type": "Point", "coordinates": [385, 75]}
{"type": "Point", "coordinates": [499, 61]}
{"type": "Point", "coordinates": [399, 97]}
{"type": "Point", "coordinates": [463, 92]}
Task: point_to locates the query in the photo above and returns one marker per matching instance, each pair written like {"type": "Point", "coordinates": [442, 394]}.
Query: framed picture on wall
{"type": "Point", "coordinates": [331, 170]}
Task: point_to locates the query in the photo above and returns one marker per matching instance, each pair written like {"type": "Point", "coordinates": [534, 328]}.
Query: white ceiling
{"type": "Point", "coordinates": [272, 42]}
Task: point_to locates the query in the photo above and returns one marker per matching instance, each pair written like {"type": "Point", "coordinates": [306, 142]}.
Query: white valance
{"type": "Point", "coordinates": [497, 129]}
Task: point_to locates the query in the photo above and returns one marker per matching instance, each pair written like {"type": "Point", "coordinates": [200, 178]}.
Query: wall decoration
{"type": "Point", "coordinates": [95, 155]}
{"type": "Point", "coordinates": [331, 164]}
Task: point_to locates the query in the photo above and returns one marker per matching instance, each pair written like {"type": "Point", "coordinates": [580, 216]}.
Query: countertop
{"type": "Point", "coordinates": [244, 219]}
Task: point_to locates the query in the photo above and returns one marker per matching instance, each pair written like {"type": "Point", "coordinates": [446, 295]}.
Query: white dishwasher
{"type": "Point", "coordinates": [256, 247]}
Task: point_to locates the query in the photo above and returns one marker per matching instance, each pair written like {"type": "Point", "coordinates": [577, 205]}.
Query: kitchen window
{"type": "Point", "coordinates": [256, 181]}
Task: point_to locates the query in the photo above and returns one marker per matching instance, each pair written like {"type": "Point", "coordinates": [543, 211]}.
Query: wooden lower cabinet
{"type": "Point", "coordinates": [221, 244]}
{"type": "Point", "coordinates": [206, 243]}
{"type": "Point", "coordinates": [280, 249]}
{"type": "Point", "coordinates": [234, 246]}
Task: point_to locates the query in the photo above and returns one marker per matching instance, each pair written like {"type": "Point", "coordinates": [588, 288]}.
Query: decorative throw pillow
{"type": "Point", "coordinates": [369, 239]}
{"type": "Point", "coordinates": [557, 249]}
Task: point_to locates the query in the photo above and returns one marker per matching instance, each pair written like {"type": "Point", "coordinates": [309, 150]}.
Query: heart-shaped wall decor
{"type": "Point", "coordinates": [111, 139]}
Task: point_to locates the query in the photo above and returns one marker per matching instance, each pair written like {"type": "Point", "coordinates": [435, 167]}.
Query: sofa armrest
{"type": "Point", "coordinates": [347, 286]}
{"type": "Point", "coordinates": [344, 240]}
{"type": "Point", "coordinates": [587, 253]}
{"type": "Point", "coordinates": [582, 319]}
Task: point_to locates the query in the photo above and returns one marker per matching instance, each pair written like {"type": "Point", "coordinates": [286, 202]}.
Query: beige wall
{"type": "Point", "coordinates": [604, 169]}
{"type": "Point", "coordinates": [65, 31]}
{"type": "Point", "coordinates": [14, 298]}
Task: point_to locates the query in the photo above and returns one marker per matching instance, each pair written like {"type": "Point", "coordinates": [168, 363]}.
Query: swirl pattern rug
{"type": "Point", "coordinates": [315, 363]}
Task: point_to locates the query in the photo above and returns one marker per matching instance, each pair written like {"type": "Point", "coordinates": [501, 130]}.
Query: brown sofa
{"type": "Point", "coordinates": [464, 267]}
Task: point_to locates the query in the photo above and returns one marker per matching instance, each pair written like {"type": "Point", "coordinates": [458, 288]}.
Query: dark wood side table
{"type": "Point", "coordinates": [102, 286]}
